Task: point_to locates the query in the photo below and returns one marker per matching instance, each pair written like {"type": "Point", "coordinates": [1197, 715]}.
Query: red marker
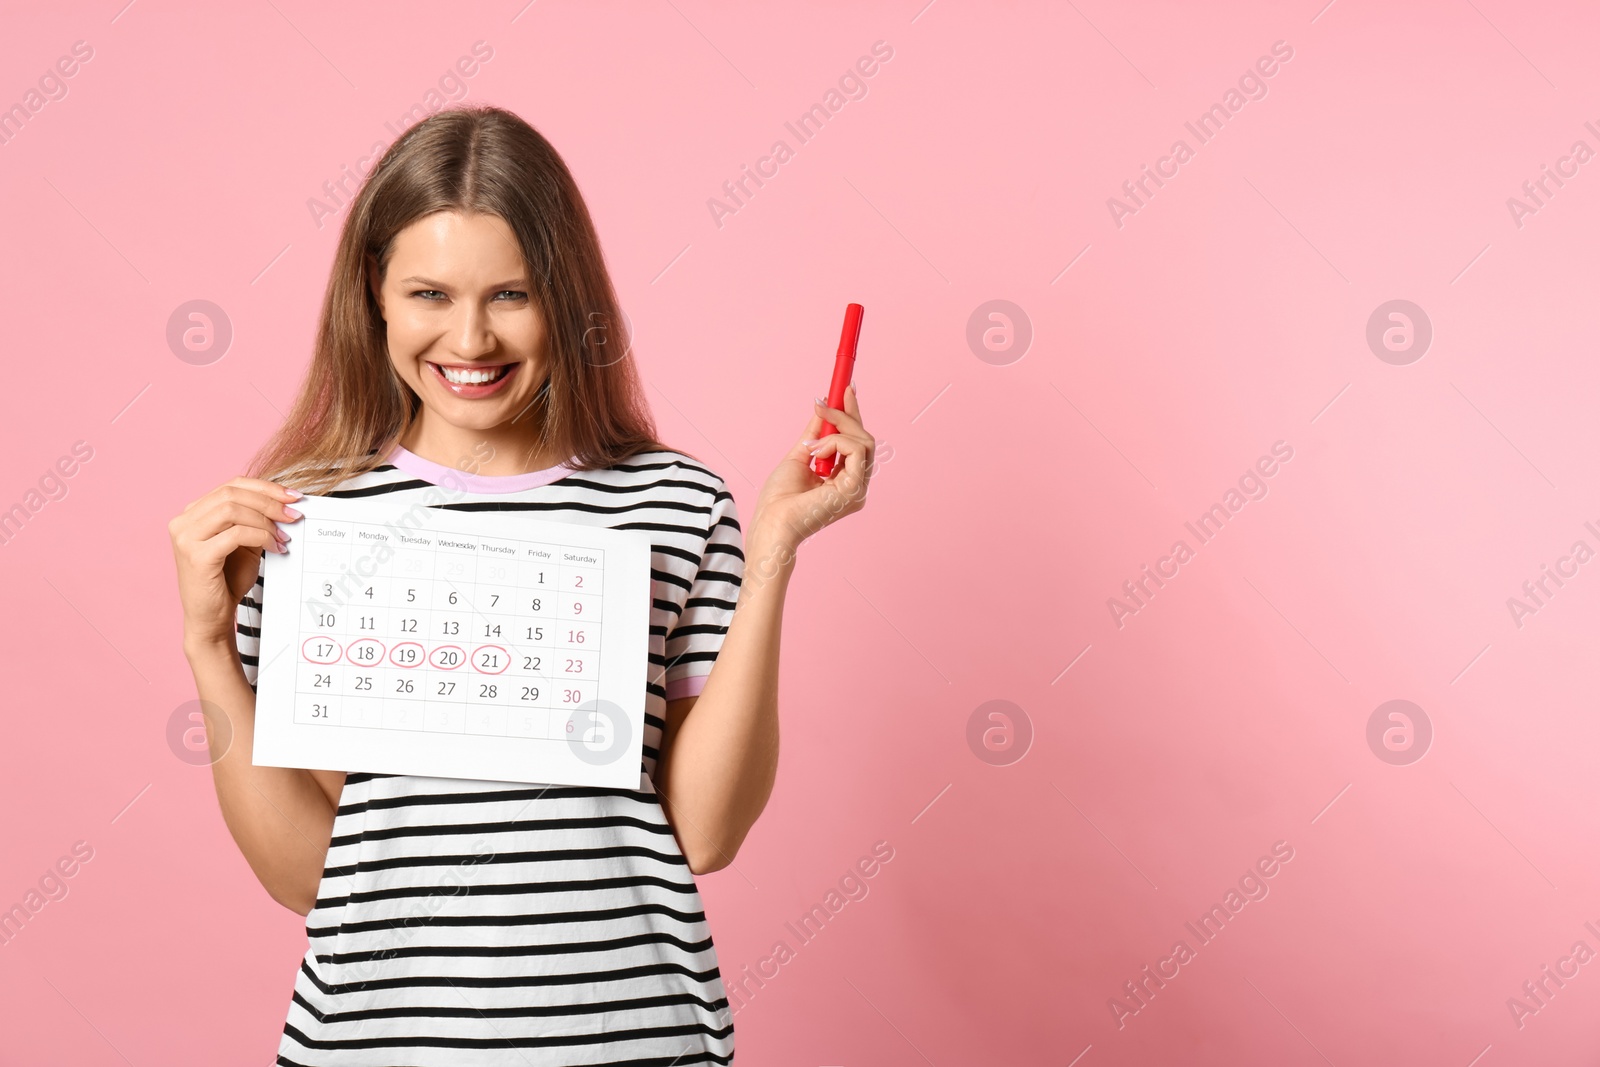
{"type": "Point", "coordinates": [844, 365]}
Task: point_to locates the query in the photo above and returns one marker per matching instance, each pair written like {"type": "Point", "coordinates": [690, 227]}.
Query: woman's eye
{"type": "Point", "coordinates": [515, 294]}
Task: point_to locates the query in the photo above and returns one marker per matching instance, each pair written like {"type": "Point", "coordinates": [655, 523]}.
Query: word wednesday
{"type": "Point", "coordinates": [1252, 486]}
{"type": "Point", "coordinates": [1252, 86]}
{"type": "Point", "coordinates": [1206, 929]}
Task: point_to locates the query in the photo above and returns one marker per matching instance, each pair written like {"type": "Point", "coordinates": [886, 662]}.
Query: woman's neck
{"type": "Point", "coordinates": [488, 452]}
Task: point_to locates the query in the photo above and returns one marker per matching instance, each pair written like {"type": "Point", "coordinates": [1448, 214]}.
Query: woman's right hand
{"type": "Point", "coordinates": [216, 543]}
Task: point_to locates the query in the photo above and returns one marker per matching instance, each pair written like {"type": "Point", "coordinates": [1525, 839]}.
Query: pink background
{"type": "Point", "coordinates": [1015, 497]}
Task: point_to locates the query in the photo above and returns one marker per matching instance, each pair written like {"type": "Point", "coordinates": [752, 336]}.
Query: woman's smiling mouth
{"type": "Point", "coordinates": [473, 381]}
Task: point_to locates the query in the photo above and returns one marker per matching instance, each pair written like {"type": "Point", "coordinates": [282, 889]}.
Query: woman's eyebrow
{"type": "Point", "coordinates": [514, 283]}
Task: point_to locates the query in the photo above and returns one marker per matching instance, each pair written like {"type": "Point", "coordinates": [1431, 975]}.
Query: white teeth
{"type": "Point", "coordinates": [470, 377]}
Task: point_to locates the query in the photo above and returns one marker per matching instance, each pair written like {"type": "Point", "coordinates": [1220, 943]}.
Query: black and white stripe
{"type": "Point", "coordinates": [470, 922]}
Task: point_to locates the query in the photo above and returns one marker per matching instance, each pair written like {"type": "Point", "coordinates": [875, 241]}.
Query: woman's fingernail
{"type": "Point", "coordinates": [811, 440]}
{"type": "Point", "coordinates": [294, 494]}
{"type": "Point", "coordinates": [291, 512]}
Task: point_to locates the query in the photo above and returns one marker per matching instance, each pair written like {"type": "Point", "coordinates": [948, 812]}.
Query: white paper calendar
{"type": "Point", "coordinates": [404, 639]}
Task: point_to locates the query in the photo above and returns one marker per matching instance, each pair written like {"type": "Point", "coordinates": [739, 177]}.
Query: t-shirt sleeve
{"type": "Point", "coordinates": [247, 625]}
{"type": "Point", "coordinates": [696, 637]}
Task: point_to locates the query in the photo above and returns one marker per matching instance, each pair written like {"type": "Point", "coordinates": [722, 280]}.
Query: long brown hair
{"type": "Point", "coordinates": [477, 159]}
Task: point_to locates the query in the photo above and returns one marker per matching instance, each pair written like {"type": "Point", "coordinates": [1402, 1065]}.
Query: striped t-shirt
{"type": "Point", "coordinates": [473, 922]}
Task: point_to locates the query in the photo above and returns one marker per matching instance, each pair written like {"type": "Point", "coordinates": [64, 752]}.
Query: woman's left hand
{"type": "Point", "coordinates": [796, 502]}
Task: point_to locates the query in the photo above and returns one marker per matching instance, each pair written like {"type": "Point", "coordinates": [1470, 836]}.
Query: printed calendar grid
{"type": "Point", "coordinates": [509, 607]}
{"type": "Point", "coordinates": [466, 634]}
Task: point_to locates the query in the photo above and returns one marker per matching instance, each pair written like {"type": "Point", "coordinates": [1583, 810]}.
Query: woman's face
{"type": "Point", "coordinates": [463, 330]}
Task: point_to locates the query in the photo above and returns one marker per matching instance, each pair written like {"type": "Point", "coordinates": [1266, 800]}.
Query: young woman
{"type": "Point", "coordinates": [468, 358]}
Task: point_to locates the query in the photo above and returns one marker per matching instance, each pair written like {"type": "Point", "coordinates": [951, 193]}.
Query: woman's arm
{"type": "Point", "coordinates": [719, 750]}
{"type": "Point", "coordinates": [280, 817]}
{"type": "Point", "coordinates": [717, 766]}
